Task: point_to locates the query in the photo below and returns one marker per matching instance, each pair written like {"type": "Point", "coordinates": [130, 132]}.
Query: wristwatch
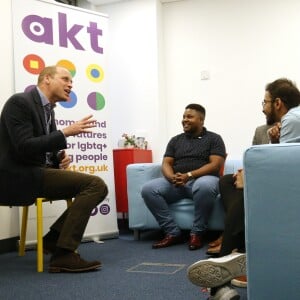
{"type": "Point", "coordinates": [190, 176]}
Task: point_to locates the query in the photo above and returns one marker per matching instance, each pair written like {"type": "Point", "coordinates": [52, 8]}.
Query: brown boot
{"type": "Point", "coordinates": [71, 262]}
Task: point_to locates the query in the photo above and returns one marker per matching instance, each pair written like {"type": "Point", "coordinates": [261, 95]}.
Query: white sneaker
{"type": "Point", "coordinates": [217, 271]}
{"type": "Point", "coordinates": [225, 293]}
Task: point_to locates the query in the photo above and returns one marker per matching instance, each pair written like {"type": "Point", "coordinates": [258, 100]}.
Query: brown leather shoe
{"type": "Point", "coordinates": [240, 281]}
{"type": "Point", "coordinates": [214, 250]}
{"type": "Point", "coordinates": [71, 262]}
{"type": "Point", "coordinates": [169, 240]}
{"type": "Point", "coordinates": [216, 242]}
{"type": "Point", "coordinates": [195, 242]}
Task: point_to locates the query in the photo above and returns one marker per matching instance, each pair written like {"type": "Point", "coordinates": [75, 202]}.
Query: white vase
{"type": "Point", "coordinates": [129, 146]}
{"type": "Point", "coordinates": [121, 143]}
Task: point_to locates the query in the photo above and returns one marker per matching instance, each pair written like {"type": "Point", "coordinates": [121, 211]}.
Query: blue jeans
{"type": "Point", "coordinates": [159, 192]}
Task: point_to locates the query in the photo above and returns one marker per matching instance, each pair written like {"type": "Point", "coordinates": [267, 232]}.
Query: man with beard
{"type": "Point", "coordinates": [281, 106]}
{"type": "Point", "coordinates": [191, 168]}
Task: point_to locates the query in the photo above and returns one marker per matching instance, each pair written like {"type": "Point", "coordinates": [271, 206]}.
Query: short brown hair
{"type": "Point", "coordinates": [286, 90]}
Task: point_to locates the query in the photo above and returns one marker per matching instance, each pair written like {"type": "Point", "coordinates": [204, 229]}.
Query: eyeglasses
{"type": "Point", "coordinates": [265, 102]}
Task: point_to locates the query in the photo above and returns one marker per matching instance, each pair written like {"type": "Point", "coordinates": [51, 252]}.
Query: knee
{"type": "Point", "coordinates": [146, 190]}
{"type": "Point", "coordinates": [99, 186]}
{"type": "Point", "coordinates": [206, 185]}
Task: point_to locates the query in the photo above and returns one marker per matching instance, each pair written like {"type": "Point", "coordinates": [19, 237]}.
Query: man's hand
{"type": "Point", "coordinates": [64, 160]}
{"type": "Point", "coordinates": [274, 133]}
{"type": "Point", "coordinates": [239, 179]}
{"type": "Point", "coordinates": [180, 179]}
{"type": "Point", "coordinates": [80, 126]}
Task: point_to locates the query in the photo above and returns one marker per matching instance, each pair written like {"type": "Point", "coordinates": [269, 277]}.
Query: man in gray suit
{"type": "Point", "coordinates": [261, 135]}
{"type": "Point", "coordinates": [33, 164]}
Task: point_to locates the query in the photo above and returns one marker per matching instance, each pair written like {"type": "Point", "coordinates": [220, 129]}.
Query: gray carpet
{"type": "Point", "coordinates": [131, 270]}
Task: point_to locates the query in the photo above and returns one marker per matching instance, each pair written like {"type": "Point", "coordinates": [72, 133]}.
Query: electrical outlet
{"type": "Point", "coordinates": [204, 75]}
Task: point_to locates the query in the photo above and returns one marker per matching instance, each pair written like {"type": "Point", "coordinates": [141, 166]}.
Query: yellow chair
{"type": "Point", "coordinates": [39, 226]}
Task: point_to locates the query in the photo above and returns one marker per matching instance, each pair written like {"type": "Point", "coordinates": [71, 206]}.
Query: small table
{"type": "Point", "coordinates": [123, 157]}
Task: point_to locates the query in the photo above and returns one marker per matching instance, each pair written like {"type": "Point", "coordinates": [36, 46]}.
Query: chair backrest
{"type": "Point", "coordinates": [272, 206]}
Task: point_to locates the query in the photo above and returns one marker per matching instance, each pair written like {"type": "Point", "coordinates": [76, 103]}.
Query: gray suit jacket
{"type": "Point", "coordinates": [260, 136]}
{"type": "Point", "coordinates": [23, 147]}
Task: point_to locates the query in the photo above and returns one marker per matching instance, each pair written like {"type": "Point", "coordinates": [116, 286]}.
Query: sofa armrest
{"type": "Point", "coordinates": [137, 175]}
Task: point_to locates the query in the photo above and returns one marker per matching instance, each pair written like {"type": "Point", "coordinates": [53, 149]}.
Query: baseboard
{"type": "Point", "coordinates": [96, 237]}
{"type": "Point", "coordinates": [9, 245]}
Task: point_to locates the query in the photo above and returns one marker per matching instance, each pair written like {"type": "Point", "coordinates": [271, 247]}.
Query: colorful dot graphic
{"type": "Point", "coordinates": [96, 101]}
{"type": "Point", "coordinates": [33, 64]}
{"type": "Point", "coordinates": [71, 103]}
{"type": "Point", "coordinates": [94, 73]}
{"type": "Point", "coordinates": [68, 65]}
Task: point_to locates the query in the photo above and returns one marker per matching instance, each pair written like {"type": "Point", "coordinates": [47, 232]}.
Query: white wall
{"type": "Point", "coordinates": [134, 73]}
{"type": "Point", "coordinates": [6, 76]}
{"type": "Point", "coordinates": [242, 44]}
{"type": "Point", "coordinates": [8, 216]}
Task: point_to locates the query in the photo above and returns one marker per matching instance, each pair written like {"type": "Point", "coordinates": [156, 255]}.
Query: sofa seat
{"type": "Point", "coordinates": [140, 218]}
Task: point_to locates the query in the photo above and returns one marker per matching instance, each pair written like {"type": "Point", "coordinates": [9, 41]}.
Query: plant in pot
{"type": "Point", "coordinates": [130, 141]}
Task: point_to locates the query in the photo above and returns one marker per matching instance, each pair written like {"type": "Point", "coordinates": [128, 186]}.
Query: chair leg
{"type": "Point", "coordinates": [39, 230]}
{"type": "Point", "coordinates": [23, 231]}
{"type": "Point", "coordinates": [39, 223]}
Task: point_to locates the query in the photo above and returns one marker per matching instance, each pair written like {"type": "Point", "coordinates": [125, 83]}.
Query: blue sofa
{"type": "Point", "coordinates": [140, 218]}
{"type": "Point", "coordinates": [272, 207]}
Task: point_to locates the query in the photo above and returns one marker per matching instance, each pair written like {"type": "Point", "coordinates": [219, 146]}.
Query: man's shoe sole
{"type": "Point", "coordinates": [217, 271]}
{"type": "Point", "coordinates": [68, 270]}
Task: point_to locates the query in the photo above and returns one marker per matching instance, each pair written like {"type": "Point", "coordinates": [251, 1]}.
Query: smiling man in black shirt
{"type": "Point", "coordinates": [191, 167]}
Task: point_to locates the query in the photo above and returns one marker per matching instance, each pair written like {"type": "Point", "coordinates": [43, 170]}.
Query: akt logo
{"type": "Point", "coordinates": [40, 30]}
{"type": "Point", "coordinates": [103, 209]}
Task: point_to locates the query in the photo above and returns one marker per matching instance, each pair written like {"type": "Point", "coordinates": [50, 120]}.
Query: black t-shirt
{"type": "Point", "coordinates": [191, 153]}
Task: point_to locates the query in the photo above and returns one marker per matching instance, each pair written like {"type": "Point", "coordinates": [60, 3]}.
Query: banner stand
{"type": "Point", "coordinates": [50, 33]}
